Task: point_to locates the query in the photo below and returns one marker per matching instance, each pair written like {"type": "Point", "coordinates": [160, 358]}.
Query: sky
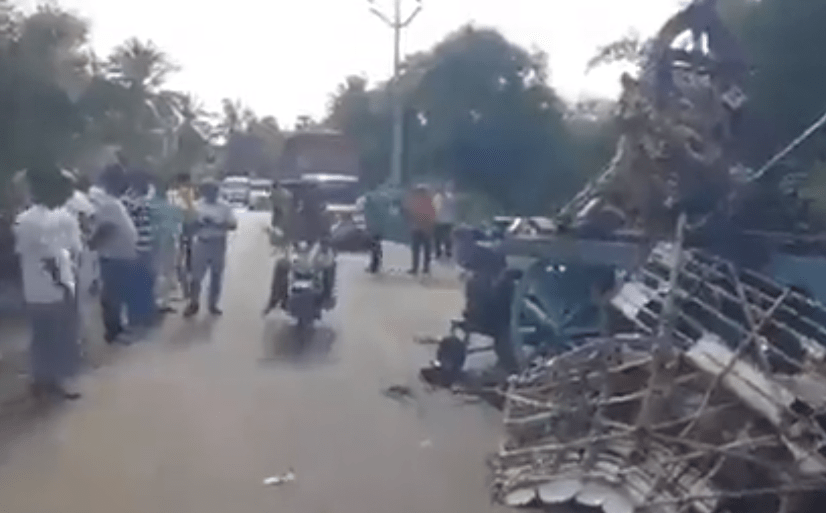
{"type": "Point", "coordinates": [284, 58]}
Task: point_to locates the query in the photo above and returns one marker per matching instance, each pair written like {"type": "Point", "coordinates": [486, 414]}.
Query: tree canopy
{"type": "Point", "coordinates": [478, 109]}
{"type": "Point", "coordinates": [61, 102]}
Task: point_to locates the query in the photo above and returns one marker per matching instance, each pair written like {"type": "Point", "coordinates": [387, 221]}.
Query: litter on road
{"type": "Point", "coordinates": [278, 480]}
{"type": "Point", "coordinates": [399, 392]}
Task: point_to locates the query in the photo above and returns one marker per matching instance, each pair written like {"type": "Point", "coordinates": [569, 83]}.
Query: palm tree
{"type": "Point", "coordinates": [190, 135]}
{"type": "Point", "coordinates": [151, 116]}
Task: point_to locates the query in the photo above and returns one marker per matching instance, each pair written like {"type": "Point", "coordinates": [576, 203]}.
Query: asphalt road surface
{"type": "Point", "coordinates": [195, 418]}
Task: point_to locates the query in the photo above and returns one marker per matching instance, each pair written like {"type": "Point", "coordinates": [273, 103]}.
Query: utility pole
{"type": "Point", "coordinates": [397, 23]}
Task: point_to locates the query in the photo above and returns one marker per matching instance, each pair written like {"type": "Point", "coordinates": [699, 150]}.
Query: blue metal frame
{"type": "Point", "coordinates": [554, 305]}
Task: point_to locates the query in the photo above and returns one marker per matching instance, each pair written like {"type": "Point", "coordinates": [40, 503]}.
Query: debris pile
{"type": "Point", "coordinates": [695, 382]}
{"type": "Point", "coordinates": [727, 413]}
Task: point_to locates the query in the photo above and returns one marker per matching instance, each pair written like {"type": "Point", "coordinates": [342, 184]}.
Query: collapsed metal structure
{"type": "Point", "coordinates": [726, 412]}
{"type": "Point", "coordinates": [667, 345]}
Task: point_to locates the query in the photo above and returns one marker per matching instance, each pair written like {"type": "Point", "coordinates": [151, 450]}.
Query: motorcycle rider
{"type": "Point", "coordinates": [305, 221]}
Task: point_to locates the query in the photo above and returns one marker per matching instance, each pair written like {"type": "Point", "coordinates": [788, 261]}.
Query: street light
{"type": "Point", "coordinates": [397, 23]}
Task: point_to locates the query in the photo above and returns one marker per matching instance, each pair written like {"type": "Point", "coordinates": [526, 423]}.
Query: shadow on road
{"type": "Point", "coordinates": [281, 343]}
{"type": "Point", "coordinates": [20, 416]}
{"type": "Point", "coordinates": [193, 331]}
{"type": "Point", "coordinates": [433, 281]}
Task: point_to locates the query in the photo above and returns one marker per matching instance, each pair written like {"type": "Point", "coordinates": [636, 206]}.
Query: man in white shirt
{"type": "Point", "coordinates": [88, 271]}
{"type": "Point", "coordinates": [445, 203]}
{"type": "Point", "coordinates": [115, 239]}
{"type": "Point", "coordinates": [215, 219]}
{"type": "Point", "coordinates": [182, 196]}
{"type": "Point", "coordinates": [45, 237]}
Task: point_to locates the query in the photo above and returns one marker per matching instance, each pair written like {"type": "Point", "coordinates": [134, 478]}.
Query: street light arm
{"type": "Point", "coordinates": [413, 15]}
{"type": "Point", "coordinates": [382, 16]}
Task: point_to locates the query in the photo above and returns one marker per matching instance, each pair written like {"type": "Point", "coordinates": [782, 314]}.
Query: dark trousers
{"type": "Point", "coordinates": [279, 283]}
{"type": "Point", "coordinates": [375, 254]}
{"type": "Point", "coordinates": [140, 299]}
{"type": "Point", "coordinates": [420, 246]}
{"type": "Point", "coordinates": [115, 274]}
{"type": "Point", "coordinates": [208, 256]}
{"type": "Point", "coordinates": [184, 264]}
{"type": "Point", "coordinates": [443, 240]}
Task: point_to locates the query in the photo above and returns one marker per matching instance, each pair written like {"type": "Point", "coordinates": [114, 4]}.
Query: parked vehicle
{"type": "Point", "coordinates": [236, 190]}
{"type": "Point", "coordinates": [349, 232]}
{"type": "Point", "coordinates": [260, 192]}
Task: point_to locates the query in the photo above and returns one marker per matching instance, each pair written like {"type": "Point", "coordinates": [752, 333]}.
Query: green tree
{"type": "Point", "coordinates": [478, 110]}
{"type": "Point", "coordinates": [147, 120]}
{"type": "Point", "coordinates": [43, 73]}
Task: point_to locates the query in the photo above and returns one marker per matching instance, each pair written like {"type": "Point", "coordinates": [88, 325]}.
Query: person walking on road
{"type": "Point", "coordinates": [215, 219]}
{"type": "Point", "coordinates": [421, 217]}
{"type": "Point", "coordinates": [43, 234]}
{"type": "Point", "coordinates": [445, 204]}
{"type": "Point", "coordinates": [115, 238]}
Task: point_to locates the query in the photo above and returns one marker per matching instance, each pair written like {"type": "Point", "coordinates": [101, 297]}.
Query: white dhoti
{"type": "Point", "coordinates": [166, 270]}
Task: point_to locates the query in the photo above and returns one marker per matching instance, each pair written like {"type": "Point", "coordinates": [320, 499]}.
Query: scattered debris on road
{"type": "Point", "coordinates": [400, 393]}
{"type": "Point", "coordinates": [427, 340]}
{"type": "Point", "coordinates": [278, 480]}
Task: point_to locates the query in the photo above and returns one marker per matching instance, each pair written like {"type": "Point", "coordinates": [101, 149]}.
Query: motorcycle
{"type": "Point", "coordinates": [305, 300]}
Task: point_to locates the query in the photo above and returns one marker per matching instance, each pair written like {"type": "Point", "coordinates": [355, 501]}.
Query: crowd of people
{"type": "Point", "coordinates": [130, 242]}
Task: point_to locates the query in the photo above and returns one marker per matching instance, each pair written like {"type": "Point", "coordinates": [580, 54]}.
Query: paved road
{"type": "Point", "coordinates": [194, 419]}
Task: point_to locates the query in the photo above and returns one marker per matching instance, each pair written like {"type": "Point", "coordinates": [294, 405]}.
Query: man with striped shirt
{"type": "Point", "coordinates": [141, 306]}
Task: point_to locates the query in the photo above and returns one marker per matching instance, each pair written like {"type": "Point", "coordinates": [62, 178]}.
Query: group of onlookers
{"type": "Point", "coordinates": [130, 241]}
{"type": "Point", "coordinates": [431, 218]}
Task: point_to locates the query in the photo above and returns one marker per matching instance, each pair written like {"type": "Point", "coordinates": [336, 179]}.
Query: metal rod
{"type": "Point", "coordinates": [789, 148]}
{"type": "Point", "coordinates": [669, 307]}
{"type": "Point", "coordinates": [744, 344]}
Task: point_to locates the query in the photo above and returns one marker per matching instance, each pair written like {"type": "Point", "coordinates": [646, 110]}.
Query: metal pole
{"type": "Point", "coordinates": [397, 109]}
{"type": "Point", "coordinates": [398, 129]}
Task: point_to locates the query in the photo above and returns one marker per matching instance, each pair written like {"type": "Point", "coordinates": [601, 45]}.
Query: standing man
{"type": "Point", "coordinates": [182, 196]}
{"type": "Point", "coordinates": [282, 212]}
{"type": "Point", "coordinates": [215, 219]}
{"type": "Point", "coordinates": [446, 214]}
{"type": "Point", "coordinates": [167, 219]}
{"type": "Point", "coordinates": [374, 220]}
{"type": "Point", "coordinates": [115, 238]}
{"type": "Point", "coordinates": [282, 202]}
{"type": "Point", "coordinates": [42, 232]}
{"type": "Point", "coordinates": [421, 217]}
{"type": "Point", "coordinates": [88, 267]}
{"type": "Point", "coordinates": [141, 292]}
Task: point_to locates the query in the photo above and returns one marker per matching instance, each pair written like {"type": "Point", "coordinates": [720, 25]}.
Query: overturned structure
{"type": "Point", "coordinates": [725, 412]}
{"type": "Point", "coordinates": [665, 334]}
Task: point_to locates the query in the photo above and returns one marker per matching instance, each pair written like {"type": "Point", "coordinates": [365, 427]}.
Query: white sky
{"type": "Point", "coordinates": [285, 58]}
